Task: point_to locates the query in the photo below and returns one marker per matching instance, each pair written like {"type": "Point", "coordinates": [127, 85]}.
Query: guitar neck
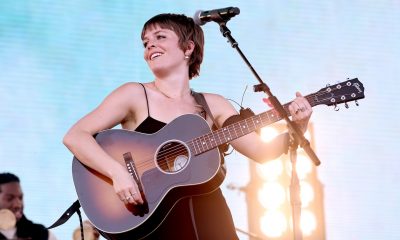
{"type": "Point", "coordinates": [231, 132]}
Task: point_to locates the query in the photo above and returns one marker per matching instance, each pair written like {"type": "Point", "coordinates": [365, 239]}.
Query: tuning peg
{"type": "Point", "coordinates": [346, 105]}
{"type": "Point", "coordinates": [357, 103]}
{"type": "Point", "coordinates": [336, 108]}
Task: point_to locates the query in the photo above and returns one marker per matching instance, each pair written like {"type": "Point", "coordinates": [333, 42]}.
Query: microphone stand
{"type": "Point", "coordinates": [296, 136]}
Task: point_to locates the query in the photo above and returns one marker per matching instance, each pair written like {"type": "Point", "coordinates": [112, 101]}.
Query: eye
{"type": "Point", "coordinates": [10, 199]}
{"type": "Point", "coordinates": [160, 36]}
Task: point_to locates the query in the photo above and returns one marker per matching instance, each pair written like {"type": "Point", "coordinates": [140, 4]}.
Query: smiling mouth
{"type": "Point", "coordinates": [18, 213]}
{"type": "Point", "coordinates": [155, 55]}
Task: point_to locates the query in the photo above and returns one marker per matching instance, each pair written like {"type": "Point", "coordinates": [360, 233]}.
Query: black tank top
{"type": "Point", "coordinates": [149, 125]}
{"type": "Point", "coordinates": [202, 217]}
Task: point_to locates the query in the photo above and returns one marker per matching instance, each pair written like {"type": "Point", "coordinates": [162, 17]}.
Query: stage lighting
{"type": "Point", "coordinates": [271, 195]}
{"type": "Point", "coordinates": [268, 195]}
{"type": "Point", "coordinates": [270, 170]}
{"type": "Point", "coordinates": [273, 223]}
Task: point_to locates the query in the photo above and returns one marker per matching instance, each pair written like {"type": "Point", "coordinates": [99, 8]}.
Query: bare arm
{"type": "Point", "coordinates": [79, 139]}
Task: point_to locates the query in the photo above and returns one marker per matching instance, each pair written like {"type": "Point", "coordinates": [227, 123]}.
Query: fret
{"type": "Point", "coordinates": [224, 133]}
{"type": "Point", "coordinates": [212, 141]}
{"type": "Point", "coordinates": [217, 135]}
{"type": "Point", "coordinates": [229, 132]}
{"type": "Point", "coordinates": [234, 128]}
{"type": "Point", "coordinates": [221, 136]}
{"type": "Point", "coordinates": [197, 144]}
{"type": "Point", "coordinates": [240, 126]}
{"type": "Point", "coordinates": [210, 138]}
{"type": "Point", "coordinates": [259, 120]}
{"type": "Point", "coordinates": [254, 124]}
{"type": "Point", "coordinates": [203, 143]}
{"type": "Point", "coordinates": [245, 127]}
{"type": "Point", "coordinates": [191, 147]}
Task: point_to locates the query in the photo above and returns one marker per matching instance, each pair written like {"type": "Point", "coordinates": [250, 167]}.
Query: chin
{"type": "Point", "coordinates": [18, 216]}
{"type": "Point", "coordinates": [159, 71]}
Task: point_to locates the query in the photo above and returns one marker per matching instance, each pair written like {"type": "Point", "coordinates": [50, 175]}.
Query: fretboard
{"type": "Point", "coordinates": [243, 127]}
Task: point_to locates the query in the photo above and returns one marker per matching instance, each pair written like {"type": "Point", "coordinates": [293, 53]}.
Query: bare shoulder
{"type": "Point", "coordinates": [127, 101]}
{"type": "Point", "coordinates": [129, 88]}
{"type": "Point", "coordinates": [213, 98]}
{"type": "Point", "coordinates": [218, 101]}
{"type": "Point", "coordinates": [128, 93]}
{"type": "Point", "coordinates": [135, 93]}
{"type": "Point", "coordinates": [220, 107]}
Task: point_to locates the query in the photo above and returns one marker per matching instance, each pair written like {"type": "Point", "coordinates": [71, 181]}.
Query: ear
{"type": "Point", "coordinates": [189, 48]}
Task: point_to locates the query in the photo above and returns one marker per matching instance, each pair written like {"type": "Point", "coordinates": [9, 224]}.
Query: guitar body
{"type": "Point", "coordinates": [164, 182]}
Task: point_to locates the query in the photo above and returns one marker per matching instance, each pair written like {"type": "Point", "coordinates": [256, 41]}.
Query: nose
{"type": "Point", "coordinates": [150, 44]}
{"type": "Point", "coordinates": [17, 203]}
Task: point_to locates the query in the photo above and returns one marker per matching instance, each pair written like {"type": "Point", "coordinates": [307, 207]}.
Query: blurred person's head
{"type": "Point", "coordinates": [89, 232]}
{"type": "Point", "coordinates": [11, 196]}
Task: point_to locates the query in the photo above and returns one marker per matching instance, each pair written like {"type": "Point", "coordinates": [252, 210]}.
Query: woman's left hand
{"type": "Point", "coordinates": [301, 111]}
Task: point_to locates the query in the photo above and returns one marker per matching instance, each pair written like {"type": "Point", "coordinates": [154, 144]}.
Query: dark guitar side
{"type": "Point", "coordinates": [108, 213]}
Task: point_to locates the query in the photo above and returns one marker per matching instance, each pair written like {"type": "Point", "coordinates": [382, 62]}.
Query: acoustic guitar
{"type": "Point", "coordinates": [181, 159]}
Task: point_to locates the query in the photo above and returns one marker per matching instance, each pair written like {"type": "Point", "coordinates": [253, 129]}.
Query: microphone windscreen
{"type": "Point", "coordinates": [7, 219]}
{"type": "Point", "coordinates": [196, 18]}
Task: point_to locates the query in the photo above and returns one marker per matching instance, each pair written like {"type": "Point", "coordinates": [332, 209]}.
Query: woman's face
{"type": "Point", "coordinates": [161, 50]}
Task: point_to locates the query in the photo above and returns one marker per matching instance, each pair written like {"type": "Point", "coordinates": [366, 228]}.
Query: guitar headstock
{"type": "Point", "coordinates": [343, 92]}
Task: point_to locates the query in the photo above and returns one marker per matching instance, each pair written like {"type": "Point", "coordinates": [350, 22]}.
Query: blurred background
{"type": "Point", "coordinates": [58, 60]}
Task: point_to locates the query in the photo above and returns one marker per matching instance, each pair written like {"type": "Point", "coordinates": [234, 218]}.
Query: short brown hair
{"type": "Point", "coordinates": [186, 30]}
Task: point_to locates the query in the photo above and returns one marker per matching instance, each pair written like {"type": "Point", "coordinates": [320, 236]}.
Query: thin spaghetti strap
{"type": "Point", "coordinates": [147, 101]}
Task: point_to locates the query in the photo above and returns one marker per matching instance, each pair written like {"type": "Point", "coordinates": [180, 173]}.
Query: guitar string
{"type": "Point", "coordinates": [181, 149]}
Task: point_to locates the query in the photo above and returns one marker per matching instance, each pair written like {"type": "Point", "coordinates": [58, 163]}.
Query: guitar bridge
{"type": "Point", "coordinates": [130, 165]}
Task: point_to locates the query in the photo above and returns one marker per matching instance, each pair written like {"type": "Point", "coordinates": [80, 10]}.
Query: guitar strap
{"type": "Point", "coordinates": [67, 214]}
{"type": "Point", "coordinates": [200, 99]}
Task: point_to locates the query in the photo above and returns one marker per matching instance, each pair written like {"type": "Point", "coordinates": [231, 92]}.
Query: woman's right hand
{"type": "Point", "coordinates": [125, 187]}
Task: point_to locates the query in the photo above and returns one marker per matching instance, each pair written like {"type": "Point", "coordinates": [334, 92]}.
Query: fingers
{"type": "Point", "coordinates": [268, 102]}
{"type": "Point", "coordinates": [127, 190]}
{"type": "Point", "coordinates": [300, 108]}
{"type": "Point", "coordinates": [304, 100]}
{"type": "Point", "coordinates": [131, 196]}
{"type": "Point", "coordinates": [301, 111]}
{"type": "Point", "coordinates": [136, 197]}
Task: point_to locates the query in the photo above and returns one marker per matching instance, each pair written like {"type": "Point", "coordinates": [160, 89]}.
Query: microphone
{"type": "Point", "coordinates": [216, 15]}
{"type": "Point", "coordinates": [7, 219]}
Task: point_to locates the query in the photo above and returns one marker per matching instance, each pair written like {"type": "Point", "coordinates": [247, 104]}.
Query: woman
{"type": "Point", "coordinates": [173, 49]}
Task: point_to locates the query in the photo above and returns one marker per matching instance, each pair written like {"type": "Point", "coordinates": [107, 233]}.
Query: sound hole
{"type": "Point", "coordinates": [172, 156]}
